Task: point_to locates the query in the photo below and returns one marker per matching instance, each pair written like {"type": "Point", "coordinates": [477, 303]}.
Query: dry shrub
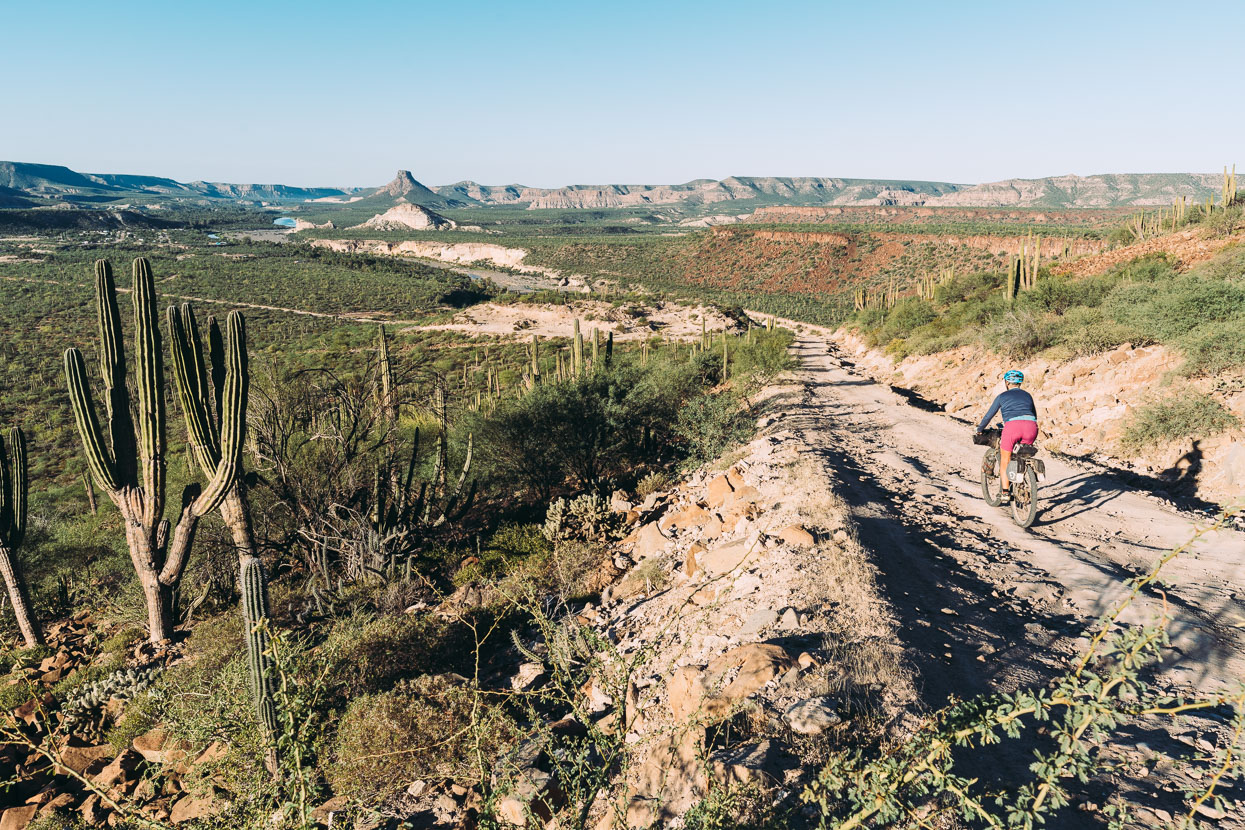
{"type": "Point", "coordinates": [434, 727]}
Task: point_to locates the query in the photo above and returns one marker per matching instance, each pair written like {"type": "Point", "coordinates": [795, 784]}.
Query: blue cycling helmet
{"type": "Point", "coordinates": [1013, 376]}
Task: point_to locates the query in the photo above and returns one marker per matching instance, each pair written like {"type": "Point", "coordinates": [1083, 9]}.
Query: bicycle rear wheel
{"type": "Point", "coordinates": [1024, 499]}
{"type": "Point", "coordinates": [991, 485]}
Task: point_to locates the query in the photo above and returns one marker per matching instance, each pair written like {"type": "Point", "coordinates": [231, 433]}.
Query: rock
{"type": "Point", "coordinates": [797, 536]}
{"type": "Point", "coordinates": [743, 496]}
{"type": "Point", "coordinates": [745, 585]}
{"type": "Point", "coordinates": [757, 622]}
{"type": "Point", "coordinates": [704, 596]}
{"type": "Point", "coordinates": [156, 748]}
{"type": "Point", "coordinates": [812, 716]}
{"type": "Point", "coordinates": [727, 557]}
{"type": "Point", "coordinates": [60, 802]}
{"type": "Point", "coordinates": [16, 818]}
{"type": "Point", "coordinates": [192, 807]}
{"type": "Point", "coordinates": [118, 771]}
{"type": "Point", "coordinates": [690, 566]}
{"type": "Point", "coordinates": [527, 676]}
{"type": "Point", "coordinates": [695, 693]}
{"type": "Point", "coordinates": [688, 518]}
{"type": "Point", "coordinates": [718, 491]}
{"type": "Point", "coordinates": [841, 537]}
{"type": "Point", "coordinates": [619, 502]}
{"type": "Point", "coordinates": [324, 813]}
{"type": "Point", "coordinates": [649, 542]}
{"type": "Point", "coordinates": [80, 758]}
{"type": "Point", "coordinates": [669, 781]}
{"type": "Point", "coordinates": [93, 811]}
{"type": "Point", "coordinates": [416, 788]}
{"type": "Point", "coordinates": [712, 529]}
{"type": "Point", "coordinates": [789, 621]}
{"type": "Point", "coordinates": [747, 764]}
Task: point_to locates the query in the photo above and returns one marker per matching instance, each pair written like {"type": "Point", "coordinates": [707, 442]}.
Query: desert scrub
{"type": "Point", "coordinates": [711, 423]}
{"type": "Point", "coordinates": [433, 727]}
{"type": "Point", "coordinates": [370, 653]}
{"type": "Point", "coordinates": [513, 545]}
{"type": "Point", "coordinates": [1188, 415]}
{"type": "Point", "coordinates": [653, 482]}
{"type": "Point", "coordinates": [1021, 334]}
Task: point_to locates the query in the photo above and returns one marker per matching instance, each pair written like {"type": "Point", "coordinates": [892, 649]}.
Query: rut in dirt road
{"type": "Point", "coordinates": [989, 606]}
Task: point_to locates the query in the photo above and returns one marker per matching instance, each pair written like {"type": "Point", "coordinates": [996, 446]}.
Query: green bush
{"type": "Point", "coordinates": [711, 423]}
{"type": "Point", "coordinates": [432, 728]}
{"type": "Point", "coordinates": [1087, 331]}
{"type": "Point", "coordinates": [1187, 415]}
{"type": "Point", "coordinates": [368, 654]}
{"type": "Point", "coordinates": [1213, 348]}
{"type": "Point", "coordinates": [1021, 334]}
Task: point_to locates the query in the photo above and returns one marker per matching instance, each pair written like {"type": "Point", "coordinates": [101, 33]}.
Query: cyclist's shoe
{"type": "Point", "coordinates": [1006, 498]}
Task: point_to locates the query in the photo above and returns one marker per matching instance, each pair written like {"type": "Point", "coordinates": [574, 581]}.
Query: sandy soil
{"type": "Point", "coordinates": [521, 320]}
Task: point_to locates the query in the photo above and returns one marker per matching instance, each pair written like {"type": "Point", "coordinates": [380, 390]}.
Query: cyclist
{"type": "Point", "coordinates": [1019, 414]}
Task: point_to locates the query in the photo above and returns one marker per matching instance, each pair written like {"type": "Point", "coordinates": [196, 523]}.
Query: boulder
{"type": "Point", "coordinates": [692, 693]}
{"type": "Point", "coordinates": [797, 536]}
{"type": "Point", "coordinates": [812, 716]}
{"type": "Point", "coordinates": [689, 517]}
{"type": "Point", "coordinates": [190, 807]}
{"type": "Point", "coordinates": [156, 748]}
{"type": "Point", "coordinates": [758, 621]}
{"type": "Point", "coordinates": [324, 813]}
{"type": "Point", "coordinates": [718, 491]}
{"type": "Point", "coordinates": [16, 818]}
{"type": "Point", "coordinates": [669, 781]}
{"type": "Point", "coordinates": [649, 542]}
{"type": "Point", "coordinates": [119, 771]}
{"type": "Point", "coordinates": [527, 676]}
{"type": "Point", "coordinates": [80, 758]}
{"type": "Point", "coordinates": [748, 764]}
{"type": "Point", "coordinates": [727, 557]}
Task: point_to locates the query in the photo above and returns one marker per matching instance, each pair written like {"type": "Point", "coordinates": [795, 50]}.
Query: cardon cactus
{"type": "Point", "coordinates": [132, 470]}
{"type": "Point", "coordinates": [254, 586]}
{"type": "Point", "coordinates": [13, 490]}
{"type": "Point", "coordinates": [215, 446]}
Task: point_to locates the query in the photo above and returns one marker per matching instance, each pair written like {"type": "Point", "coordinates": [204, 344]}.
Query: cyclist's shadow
{"type": "Point", "coordinates": [1071, 496]}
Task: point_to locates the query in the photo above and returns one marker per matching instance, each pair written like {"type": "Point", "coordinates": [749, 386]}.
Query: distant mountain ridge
{"type": "Point", "coordinates": [46, 181]}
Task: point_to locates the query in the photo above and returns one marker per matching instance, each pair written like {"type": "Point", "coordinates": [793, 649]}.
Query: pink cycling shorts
{"type": "Point", "coordinates": [1017, 432]}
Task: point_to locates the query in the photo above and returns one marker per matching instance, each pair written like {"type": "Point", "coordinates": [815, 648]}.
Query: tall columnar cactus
{"type": "Point", "coordinates": [725, 357]}
{"type": "Point", "coordinates": [384, 387]}
{"type": "Point", "coordinates": [213, 432]}
{"type": "Point", "coordinates": [535, 360]}
{"type": "Point", "coordinates": [596, 348]}
{"type": "Point", "coordinates": [132, 471]}
{"type": "Point", "coordinates": [609, 349]}
{"type": "Point", "coordinates": [13, 491]}
{"type": "Point", "coordinates": [254, 586]}
{"type": "Point", "coordinates": [577, 353]}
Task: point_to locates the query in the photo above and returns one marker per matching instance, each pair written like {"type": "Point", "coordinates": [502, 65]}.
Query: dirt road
{"type": "Point", "coordinates": [985, 606]}
{"type": "Point", "coordinates": [915, 490]}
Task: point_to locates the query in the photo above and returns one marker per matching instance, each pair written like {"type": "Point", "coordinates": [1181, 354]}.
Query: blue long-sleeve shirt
{"type": "Point", "coordinates": [1012, 404]}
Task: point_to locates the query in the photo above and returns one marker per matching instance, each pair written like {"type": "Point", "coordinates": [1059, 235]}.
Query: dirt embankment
{"type": "Point", "coordinates": [1188, 248]}
{"type": "Point", "coordinates": [994, 244]}
{"type": "Point", "coordinates": [897, 214]}
{"type": "Point", "coordinates": [1084, 404]}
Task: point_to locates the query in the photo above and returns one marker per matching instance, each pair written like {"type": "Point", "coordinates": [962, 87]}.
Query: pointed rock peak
{"type": "Point", "coordinates": [404, 184]}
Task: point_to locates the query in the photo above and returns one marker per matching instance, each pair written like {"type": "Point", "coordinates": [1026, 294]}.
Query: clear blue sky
{"type": "Point", "coordinates": [344, 93]}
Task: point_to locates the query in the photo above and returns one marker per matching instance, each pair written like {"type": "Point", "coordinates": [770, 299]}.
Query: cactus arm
{"type": "Point", "coordinates": [216, 354]}
{"type": "Point", "coordinates": [6, 496]}
{"type": "Point", "coordinates": [192, 389]}
{"type": "Point", "coordinates": [102, 466]}
{"type": "Point", "coordinates": [112, 370]}
{"type": "Point", "coordinates": [233, 419]}
{"type": "Point", "coordinates": [15, 506]}
{"type": "Point", "coordinates": [150, 358]}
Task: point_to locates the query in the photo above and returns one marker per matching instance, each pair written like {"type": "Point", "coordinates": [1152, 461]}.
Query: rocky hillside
{"type": "Point", "coordinates": [744, 192]}
{"type": "Point", "coordinates": [407, 216]}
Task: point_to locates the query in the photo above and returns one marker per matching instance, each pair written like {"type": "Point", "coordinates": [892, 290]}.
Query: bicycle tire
{"type": "Point", "coordinates": [1024, 499]}
{"type": "Point", "coordinates": [989, 475]}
